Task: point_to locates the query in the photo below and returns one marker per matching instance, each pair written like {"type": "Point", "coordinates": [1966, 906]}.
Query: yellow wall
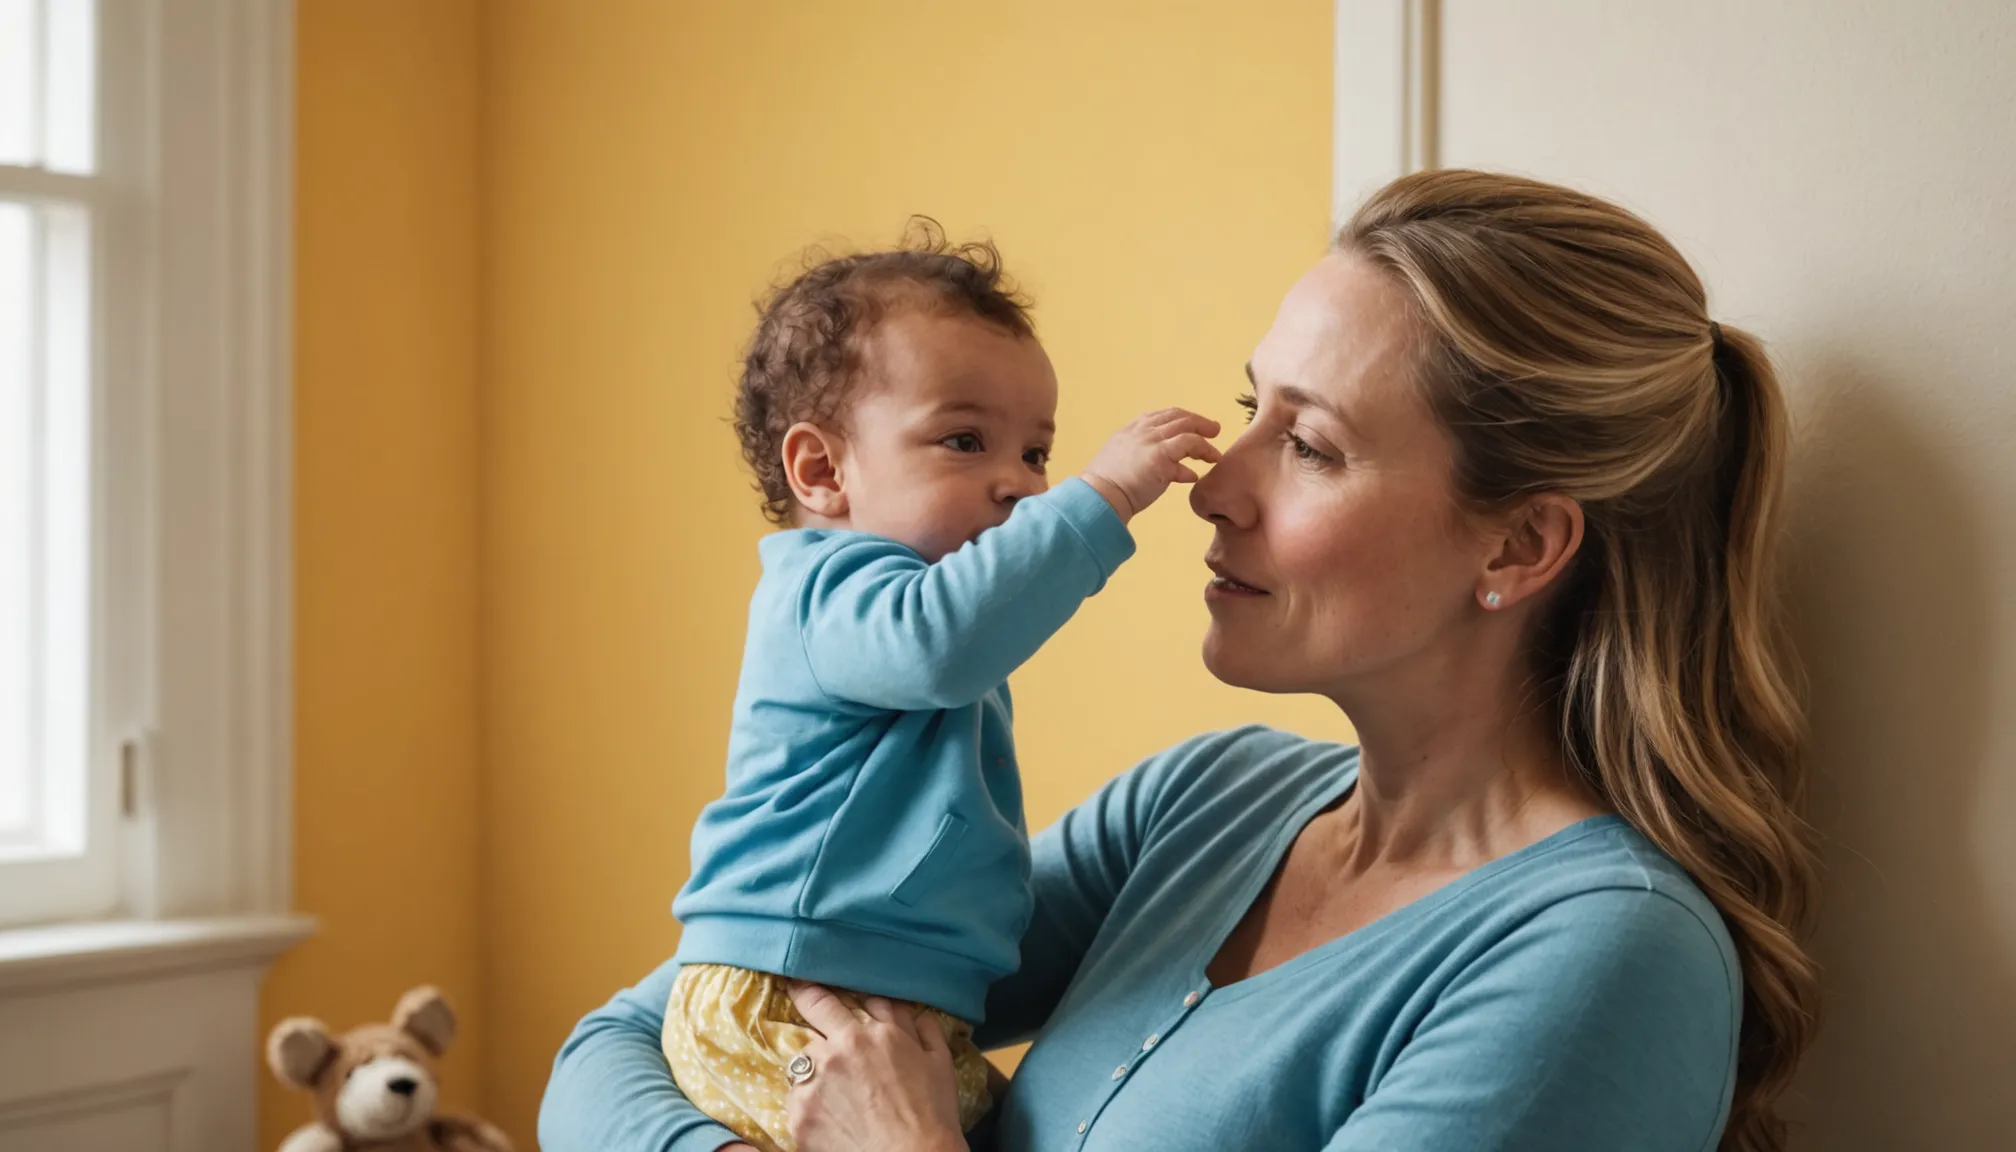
{"type": "Point", "coordinates": [1156, 173]}
{"type": "Point", "coordinates": [386, 819]}
{"type": "Point", "coordinates": [575, 203]}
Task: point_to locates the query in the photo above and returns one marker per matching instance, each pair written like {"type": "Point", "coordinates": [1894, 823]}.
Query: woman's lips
{"type": "Point", "coordinates": [1225, 584]}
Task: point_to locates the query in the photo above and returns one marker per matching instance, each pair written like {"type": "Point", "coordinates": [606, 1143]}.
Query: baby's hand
{"type": "Point", "coordinates": [1141, 460]}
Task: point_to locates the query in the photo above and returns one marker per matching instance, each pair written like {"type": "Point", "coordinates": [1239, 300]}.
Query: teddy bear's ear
{"type": "Point", "coordinates": [299, 1051]}
{"type": "Point", "coordinates": [425, 1016]}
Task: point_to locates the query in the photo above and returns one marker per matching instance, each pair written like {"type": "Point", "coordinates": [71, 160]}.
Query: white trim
{"type": "Point", "coordinates": [154, 1058]}
{"type": "Point", "coordinates": [1387, 86]}
{"type": "Point", "coordinates": [159, 1088]}
{"type": "Point", "coordinates": [110, 951]}
{"type": "Point", "coordinates": [218, 841]}
{"type": "Point", "coordinates": [267, 298]}
{"type": "Point", "coordinates": [137, 1032]}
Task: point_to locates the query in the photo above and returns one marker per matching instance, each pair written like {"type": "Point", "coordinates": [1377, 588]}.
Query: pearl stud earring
{"type": "Point", "coordinates": [1492, 600]}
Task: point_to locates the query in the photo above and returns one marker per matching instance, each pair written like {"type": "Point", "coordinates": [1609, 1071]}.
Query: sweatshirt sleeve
{"type": "Point", "coordinates": [883, 629]}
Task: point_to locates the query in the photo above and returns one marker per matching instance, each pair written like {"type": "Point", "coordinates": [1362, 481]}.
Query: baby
{"type": "Point", "coordinates": [898, 413]}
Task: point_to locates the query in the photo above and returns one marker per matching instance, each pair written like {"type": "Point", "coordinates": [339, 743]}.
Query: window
{"type": "Point", "coordinates": [145, 683]}
{"type": "Point", "coordinates": [58, 828]}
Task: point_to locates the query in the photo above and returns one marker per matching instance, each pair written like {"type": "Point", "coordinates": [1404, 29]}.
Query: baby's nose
{"type": "Point", "coordinates": [1011, 488]}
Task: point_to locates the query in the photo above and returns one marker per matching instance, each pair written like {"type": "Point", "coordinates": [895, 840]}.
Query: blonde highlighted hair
{"type": "Point", "coordinates": [1571, 351]}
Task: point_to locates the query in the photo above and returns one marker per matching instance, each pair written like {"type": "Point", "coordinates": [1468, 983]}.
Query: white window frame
{"type": "Point", "coordinates": [146, 1020]}
{"type": "Point", "coordinates": [192, 540]}
{"type": "Point", "coordinates": [44, 882]}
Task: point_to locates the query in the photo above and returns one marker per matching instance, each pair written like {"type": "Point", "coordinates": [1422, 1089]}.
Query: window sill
{"type": "Point", "coordinates": [63, 956]}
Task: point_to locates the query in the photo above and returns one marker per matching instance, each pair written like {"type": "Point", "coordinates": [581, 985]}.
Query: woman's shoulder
{"type": "Point", "coordinates": [1601, 888]}
{"type": "Point", "coordinates": [1253, 771]}
{"type": "Point", "coordinates": [1250, 743]}
{"type": "Point", "coordinates": [1251, 758]}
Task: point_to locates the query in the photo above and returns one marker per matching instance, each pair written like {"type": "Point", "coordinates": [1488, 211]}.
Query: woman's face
{"type": "Point", "coordinates": [1339, 554]}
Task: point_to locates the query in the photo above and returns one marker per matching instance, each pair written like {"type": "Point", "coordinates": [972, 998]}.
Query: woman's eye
{"type": "Point", "coordinates": [1304, 450]}
{"type": "Point", "coordinates": [1037, 458]}
{"type": "Point", "coordinates": [962, 442]}
{"type": "Point", "coordinates": [1251, 404]}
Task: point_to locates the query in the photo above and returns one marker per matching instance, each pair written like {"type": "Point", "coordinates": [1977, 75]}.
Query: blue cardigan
{"type": "Point", "coordinates": [1578, 994]}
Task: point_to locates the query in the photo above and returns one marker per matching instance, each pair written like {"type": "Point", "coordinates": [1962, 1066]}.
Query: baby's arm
{"type": "Point", "coordinates": [885, 629]}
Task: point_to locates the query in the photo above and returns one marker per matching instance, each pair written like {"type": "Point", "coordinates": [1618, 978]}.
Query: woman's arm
{"type": "Point", "coordinates": [610, 1090]}
{"type": "Point", "coordinates": [1077, 868]}
{"type": "Point", "coordinates": [1608, 1021]}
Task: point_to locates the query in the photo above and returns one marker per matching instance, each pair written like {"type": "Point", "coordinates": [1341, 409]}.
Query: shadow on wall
{"type": "Point", "coordinates": [1891, 590]}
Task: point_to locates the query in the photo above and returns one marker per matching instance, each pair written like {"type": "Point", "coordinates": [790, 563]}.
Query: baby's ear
{"type": "Point", "coordinates": [425, 1016]}
{"type": "Point", "coordinates": [812, 466]}
{"type": "Point", "coordinates": [299, 1051]}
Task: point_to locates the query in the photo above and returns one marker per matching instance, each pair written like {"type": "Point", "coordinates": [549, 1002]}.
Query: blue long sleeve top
{"type": "Point", "coordinates": [1578, 994]}
{"type": "Point", "coordinates": [871, 836]}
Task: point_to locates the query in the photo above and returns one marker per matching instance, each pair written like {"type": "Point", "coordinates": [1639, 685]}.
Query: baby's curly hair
{"type": "Point", "coordinates": [806, 352]}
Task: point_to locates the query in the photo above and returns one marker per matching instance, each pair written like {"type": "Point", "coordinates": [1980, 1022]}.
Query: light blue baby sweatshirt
{"type": "Point", "coordinates": [871, 835]}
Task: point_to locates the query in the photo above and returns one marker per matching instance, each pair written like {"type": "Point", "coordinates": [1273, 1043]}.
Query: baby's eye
{"type": "Point", "coordinates": [1037, 458]}
{"type": "Point", "coordinates": [1251, 404]}
{"type": "Point", "coordinates": [963, 442]}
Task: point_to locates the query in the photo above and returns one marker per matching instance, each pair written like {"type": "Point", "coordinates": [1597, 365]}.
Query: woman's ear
{"type": "Point", "coordinates": [1536, 544]}
{"type": "Point", "coordinates": [812, 465]}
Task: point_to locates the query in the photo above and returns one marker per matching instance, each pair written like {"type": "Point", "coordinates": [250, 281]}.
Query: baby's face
{"type": "Point", "coordinates": [953, 423]}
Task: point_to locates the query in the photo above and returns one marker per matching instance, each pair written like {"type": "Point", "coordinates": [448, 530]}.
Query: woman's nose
{"type": "Point", "coordinates": [1225, 494]}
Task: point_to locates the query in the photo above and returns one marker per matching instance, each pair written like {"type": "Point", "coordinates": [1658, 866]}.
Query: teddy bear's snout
{"type": "Point", "coordinates": [385, 1098]}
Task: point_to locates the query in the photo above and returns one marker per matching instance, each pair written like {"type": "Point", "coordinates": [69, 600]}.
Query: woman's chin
{"type": "Point", "coordinates": [1240, 665]}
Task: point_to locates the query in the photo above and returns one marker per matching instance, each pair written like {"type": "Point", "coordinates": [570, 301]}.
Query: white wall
{"type": "Point", "coordinates": [1844, 177]}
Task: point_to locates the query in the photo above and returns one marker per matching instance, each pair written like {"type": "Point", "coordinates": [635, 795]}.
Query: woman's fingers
{"type": "Point", "coordinates": [824, 1011]}
{"type": "Point", "coordinates": [930, 1033]}
{"type": "Point", "coordinates": [886, 1012]}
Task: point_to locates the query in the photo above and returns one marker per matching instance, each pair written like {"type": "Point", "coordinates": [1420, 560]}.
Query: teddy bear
{"type": "Point", "coordinates": [374, 1085]}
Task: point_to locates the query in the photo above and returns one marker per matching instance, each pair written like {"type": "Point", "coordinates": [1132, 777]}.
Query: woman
{"type": "Point", "coordinates": [1508, 497]}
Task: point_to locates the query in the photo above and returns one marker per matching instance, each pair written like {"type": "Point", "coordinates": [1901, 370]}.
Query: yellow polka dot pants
{"type": "Point", "coordinates": [729, 1032]}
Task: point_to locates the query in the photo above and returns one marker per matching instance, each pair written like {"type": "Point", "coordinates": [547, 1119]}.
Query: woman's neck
{"type": "Point", "coordinates": [1450, 786]}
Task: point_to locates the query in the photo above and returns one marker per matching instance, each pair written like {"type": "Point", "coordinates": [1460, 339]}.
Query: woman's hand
{"type": "Point", "coordinates": [884, 1084]}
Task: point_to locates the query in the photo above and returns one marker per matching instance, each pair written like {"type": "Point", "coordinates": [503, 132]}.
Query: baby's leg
{"type": "Point", "coordinates": [729, 1032]}
{"type": "Point", "coordinates": [970, 1067]}
{"type": "Point", "coordinates": [727, 1050]}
